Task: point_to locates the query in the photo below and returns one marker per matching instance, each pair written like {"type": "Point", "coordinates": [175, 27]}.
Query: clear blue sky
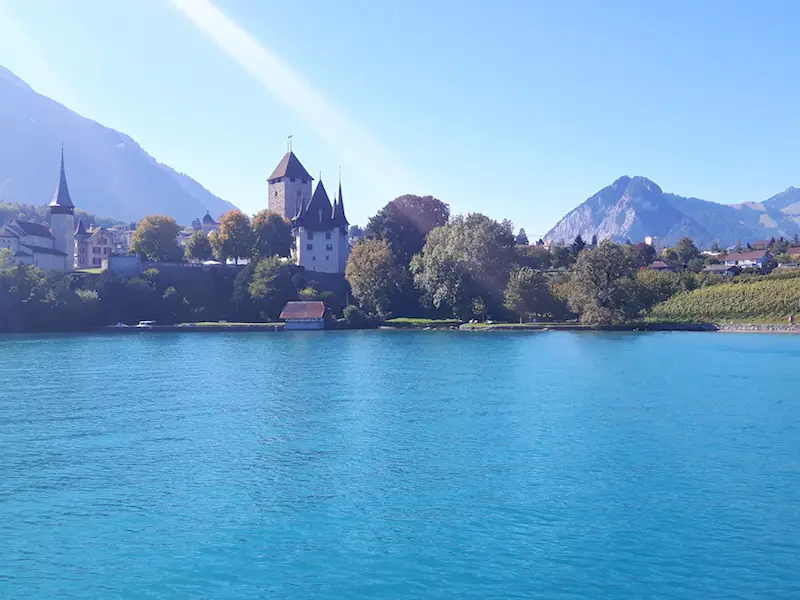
{"type": "Point", "coordinates": [519, 110]}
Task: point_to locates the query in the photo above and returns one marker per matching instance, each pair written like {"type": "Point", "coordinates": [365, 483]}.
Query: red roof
{"type": "Point", "coordinates": [754, 255]}
{"type": "Point", "coordinates": [303, 310]}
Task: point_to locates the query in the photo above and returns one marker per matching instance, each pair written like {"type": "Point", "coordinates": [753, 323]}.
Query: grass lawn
{"type": "Point", "coordinates": [414, 322]}
{"type": "Point", "coordinates": [534, 326]}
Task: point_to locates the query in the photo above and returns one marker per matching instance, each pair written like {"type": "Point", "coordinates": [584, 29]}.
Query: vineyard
{"type": "Point", "coordinates": [767, 298]}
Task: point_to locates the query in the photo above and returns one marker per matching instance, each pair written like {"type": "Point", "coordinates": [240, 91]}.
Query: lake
{"type": "Point", "coordinates": [333, 465]}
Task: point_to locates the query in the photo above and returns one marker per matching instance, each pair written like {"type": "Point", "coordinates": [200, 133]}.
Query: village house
{"type": "Point", "coordinates": [722, 270]}
{"type": "Point", "coordinates": [756, 259]}
{"type": "Point", "coordinates": [92, 246]}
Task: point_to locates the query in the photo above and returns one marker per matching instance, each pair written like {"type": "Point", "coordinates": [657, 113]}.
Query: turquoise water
{"type": "Point", "coordinates": [400, 465]}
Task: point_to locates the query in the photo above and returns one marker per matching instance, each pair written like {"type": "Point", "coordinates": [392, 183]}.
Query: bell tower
{"type": "Point", "coordinates": [62, 219]}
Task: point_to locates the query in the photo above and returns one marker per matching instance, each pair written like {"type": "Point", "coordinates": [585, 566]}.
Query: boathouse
{"type": "Point", "coordinates": [304, 315]}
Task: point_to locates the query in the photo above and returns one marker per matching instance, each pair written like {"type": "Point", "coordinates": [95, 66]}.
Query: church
{"type": "Point", "coordinates": [52, 247]}
{"type": "Point", "coordinates": [320, 227]}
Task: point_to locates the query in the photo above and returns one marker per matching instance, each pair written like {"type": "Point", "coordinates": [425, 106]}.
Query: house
{"type": "Point", "coordinates": [92, 246]}
{"type": "Point", "coordinates": [722, 270]}
{"type": "Point", "coordinates": [304, 315]}
{"type": "Point", "coordinates": [660, 265]}
{"type": "Point", "coordinates": [760, 245]}
{"type": "Point", "coordinates": [756, 259]}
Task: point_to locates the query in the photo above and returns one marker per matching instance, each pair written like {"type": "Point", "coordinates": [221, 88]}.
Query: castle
{"type": "Point", "coordinates": [41, 246]}
{"type": "Point", "coordinates": [320, 228]}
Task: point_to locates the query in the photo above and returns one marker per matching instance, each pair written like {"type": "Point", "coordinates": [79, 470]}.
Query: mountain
{"type": "Point", "coordinates": [635, 207]}
{"type": "Point", "coordinates": [108, 172]}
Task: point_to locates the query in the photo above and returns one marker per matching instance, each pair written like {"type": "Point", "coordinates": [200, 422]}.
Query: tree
{"type": "Point", "coordinates": [373, 275]}
{"type": "Point", "coordinates": [197, 225]}
{"type": "Point", "coordinates": [685, 250]}
{"type": "Point", "coordinates": [528, 294]}
{"type": "Point", "coordinates": [271, 287]}
{"type": "Point", "coordinates": [405, 222]}
{"type": "Point", "coordinates": [235, 236]}
{"type": "Point", "coordinates": [156, 239]}
{"type": "Point", "coordinates": [594, 241]}
{"type": "Point", "coordinates": [522, 238]}
{"type": "Point", "coordinates": [272, 235]}
{"type": "Point", "coordinates": [641, 254]}
{"type": "Point", "coordinates": [715, 247]}
{"type": "Point", "coordinates": [198, 247]}
{"type": "Point", "coordinates": [468, 258]}
{"type": "Point", "coordinates": [535, 257]}
{"type": "Point", "coordinates": [578, 245]}
{"type": "Point", "coordinates": [601, 288]}
{"type": "Point", "coordinates": [561, 257]}
{"type": "Point", "coordinates": [355, 232]}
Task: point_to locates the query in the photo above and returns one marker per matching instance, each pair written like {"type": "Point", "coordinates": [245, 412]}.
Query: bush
{"type": "Point", "coordinates": [355, 317]}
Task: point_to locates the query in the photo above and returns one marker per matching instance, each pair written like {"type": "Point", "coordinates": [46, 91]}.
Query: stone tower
{"type": "Point", "coordinates": [289, 187]}
{"type": "Point", "coordinates": [62, 219]}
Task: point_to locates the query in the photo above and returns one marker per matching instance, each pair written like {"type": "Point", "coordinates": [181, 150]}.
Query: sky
{"type": "Point", "coordinates": [516, 109]}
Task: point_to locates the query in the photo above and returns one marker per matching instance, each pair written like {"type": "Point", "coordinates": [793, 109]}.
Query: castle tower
{"type": "Point", "coordinates": [289, 187]}
{"type": "Point", "coordinates": [62, 219]}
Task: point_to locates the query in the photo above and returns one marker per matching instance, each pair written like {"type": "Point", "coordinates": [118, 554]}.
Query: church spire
{"type": "Point", "coordinates": [61, 201]}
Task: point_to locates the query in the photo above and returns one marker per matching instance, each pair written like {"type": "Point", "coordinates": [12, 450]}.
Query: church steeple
{"type": "Point", "coordinates": [61, 202]}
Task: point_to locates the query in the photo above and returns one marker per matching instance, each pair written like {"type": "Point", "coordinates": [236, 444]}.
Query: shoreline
{"type": "Point", "coordinates": [466, 327]}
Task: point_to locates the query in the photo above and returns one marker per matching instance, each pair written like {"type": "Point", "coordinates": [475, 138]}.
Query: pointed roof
{"type": "Point", "coordinates": [289, 167]}
{"type": "Point", "coordinates": [81, 228]}
{"type": "Point", "coordinates": [208, 219]}
{"type": "Point", "coordinates": [61, 198]}
{"type": "Point", "coordinates": [318, 214]}
{"type": "Point", "coordinates": [339, 219]}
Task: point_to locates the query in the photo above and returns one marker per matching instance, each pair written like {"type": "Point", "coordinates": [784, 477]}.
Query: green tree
{"type": "Point", "coordinates": [271, 287]}
{"type": "Point", "coordinates": [522, 238]}
{"type": "Point", "coordinates": [235, 236]}
{"type": "Point", "coordinates": [272, 235]}
{"type": "Point", "coordinates": [561, 257]}
{"type": "Point", "coordinates": [468, 258]}
{"type": "Point", "coordinates": [198, 247]}
{"type": "Point", "coordinates": [373, 275]}
{"type": "Point", "coordinates": [601, 288]}
{"type": "Point", "coordinates": [528, 294]}
{"type": "Point", "coordinates": [685, 250]}
{"type": "Point", "coordinates": [406, 221]}
{"type": "Point", "coordinates": [578, 245]}
{"type": "Point", "coordinates": [156, 239]}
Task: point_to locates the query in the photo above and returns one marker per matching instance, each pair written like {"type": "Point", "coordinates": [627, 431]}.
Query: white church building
{"type": "Point", "coordinates": [320, 227]}
{"type": "Point", "coordinates": [45, 247]}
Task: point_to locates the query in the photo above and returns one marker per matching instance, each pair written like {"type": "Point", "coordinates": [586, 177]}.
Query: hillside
{"type": "Point", "coordinates": [109, 173]}
{"type": "Point", "coordinates": [635, 207]}
{"type": "Point", "coordinates": [769, 298]}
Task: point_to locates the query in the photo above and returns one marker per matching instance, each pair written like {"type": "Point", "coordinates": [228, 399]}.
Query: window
{"type": "Point", "coordinates": [291, 179]}
{"type": "Point", "coordinates": [95, 250]}
{"type": "Point", "coordinates": [313, 258]}
{"type": "Point", "coordinates": [304, 181]}
{"type": "Point", "coordinates": [311, 235]}
{"type": "Point", "coordinates": [329, 247]}
{"type": "Point", "coordinates": [276, 193]}
{"type": "Point", "coordinates": [327, 257]}
{"type": "Point", "coordinates": [309, 246]}
{"type": "Point", "coordinates": [320, 215]}
{"type": "Point", "coordinates": [106, 250]}
{"type": "Point", "coordinates": [327, 235]}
